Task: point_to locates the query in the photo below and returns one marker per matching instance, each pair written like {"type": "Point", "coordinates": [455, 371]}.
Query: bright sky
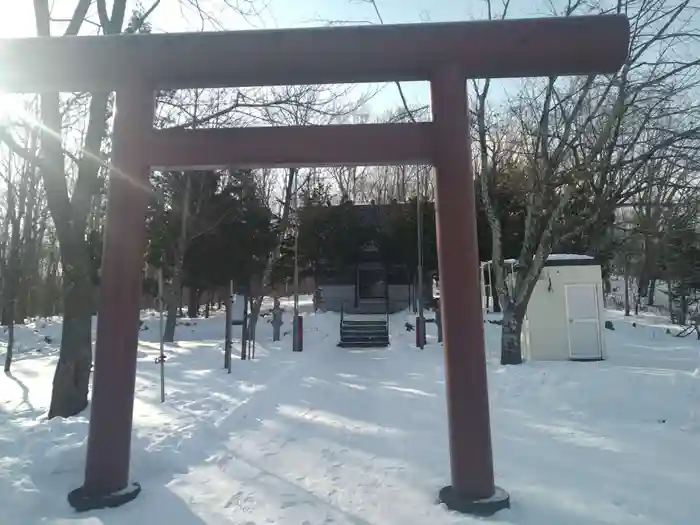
{"type": "Point", "coordinates": [16, 20]}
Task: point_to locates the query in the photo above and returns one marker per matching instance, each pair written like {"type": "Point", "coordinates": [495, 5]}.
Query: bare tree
{"type": "Point", "coordinates": [206, 108]}
{"type": "Point", "coordinates": [70, 211]}
{"type": "Point", "coordinates": [587, 141]}
{"type": "Point", "coordinates": [317, 105]}
{"type": "Point", "coordinates": [70, 198]}
{"type": "Point", "coordinates": [20, 176]}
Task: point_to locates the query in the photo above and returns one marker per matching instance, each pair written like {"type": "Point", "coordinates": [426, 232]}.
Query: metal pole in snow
{"type": "Point", "coordinates": [484, 270]}
{"type": "Point", "coordinates": [229, 338]}
{"type": "Point", "coordinates": [296, 347]}
{"type": "Point", "coordinates": [161, 333]}
{"type": "Point", "coordinates": [420, 329]}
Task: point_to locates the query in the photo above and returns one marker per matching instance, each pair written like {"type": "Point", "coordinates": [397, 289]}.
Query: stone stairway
{"type": "Point", "coordinates": [359, 332]}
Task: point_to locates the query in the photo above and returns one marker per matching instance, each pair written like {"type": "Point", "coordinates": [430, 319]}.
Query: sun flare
{"type": "Point", "coordinates": [6, 104]}
{"type": "Point", "coordinates": [12, 107]}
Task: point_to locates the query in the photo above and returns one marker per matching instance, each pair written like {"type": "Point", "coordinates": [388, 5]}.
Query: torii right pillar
{"type": "Point", "coordinates": [473, 490]}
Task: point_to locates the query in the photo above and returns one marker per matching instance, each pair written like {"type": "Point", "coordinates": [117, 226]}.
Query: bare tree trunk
{"type": "Point", "coordinates": [642, 280]}
{"type": "Point", "coordinates": [50, 284]}
{"type": "Point", "coordinates": [227, 332]}
{"type": "Point", "coordinates": [28, 256]}
{"type": "Point", "coordinates": [683, 312]}
{"type": "Point", "coordinates": [643, 283]}
{"type": "Point", "coordinates": [4, 247]}
{"type": "Point", "coordinates": [175, 288]}
{"type": "Point", "coordinates": [174, 293]}
{"type": "Point", "coordinates": [275, 255]}
{"type": "Point", "coordinates": [70, 385]}
{"type": "Point", "coordinates": [72, 376]}
{"type": "Point", "coordinates": [10, 298]}
{"type": "Point", "coordinates": [11, 278]}
{"type": "Point", "coordinates": [10, 347]}
{"type": "Point", "coordinates": [18, 207]}
{"type": "Point", "coordinates": [69, 211]}
{"type": "Point", "coordinates": [511, 331]}
{"type": "Point", "coordinates": [494, 294]}
{"type": "Point", "coordinates": [669, 284]}
{"type": "Point", "coordinates": [627, 286]}
{"type": "Point", "coordinates": [514, 303]}
{"type": "Point", "coordinates": [31, 262]}
{"type": "Point", "coordinates": [193, 302]}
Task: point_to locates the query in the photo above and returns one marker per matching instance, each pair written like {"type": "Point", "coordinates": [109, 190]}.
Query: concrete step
{"type": "Point", "coordinates": [364, 335]}
{"type": "Point", "coordinates": [364, 332]}
{"type": "Point", "coordinates": [365, 338]}
{"type": "Point", "coordinates": [364, 344]}
{"type": "Point", "coordinates": [360, 329]}
{"type": "Point", "coordinates": [372, 328]}
{"type": "Point", "coordinates": [364, 322]}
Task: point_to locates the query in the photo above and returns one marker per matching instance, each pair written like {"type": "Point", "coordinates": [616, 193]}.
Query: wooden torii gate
{"type": "Point", "coordinates": [446, 54]}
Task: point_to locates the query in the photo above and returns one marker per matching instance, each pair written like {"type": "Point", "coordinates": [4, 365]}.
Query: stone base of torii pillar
{"type": "Point", "coordinates": [484, 507]}
{"type": "Point", "coordinates": [82, 500]}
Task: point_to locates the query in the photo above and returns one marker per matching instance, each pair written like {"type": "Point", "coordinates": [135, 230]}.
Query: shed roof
{"type": "Point", "coordinates": [570, 259]}
{"type": "Point", "coordinates": [561, 259]}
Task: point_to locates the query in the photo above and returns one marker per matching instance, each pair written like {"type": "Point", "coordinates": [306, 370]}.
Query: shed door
{"type": "Point", "coordinates": [583, 321]}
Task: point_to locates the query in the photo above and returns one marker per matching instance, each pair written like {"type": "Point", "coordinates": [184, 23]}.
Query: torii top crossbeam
{"type": "Point", "coordinates": [350, 54]}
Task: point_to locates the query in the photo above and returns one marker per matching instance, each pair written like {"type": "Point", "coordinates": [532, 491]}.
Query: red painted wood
{"type": "Point", "coordinates": [365, 144]}
{"type": "Point", "coordinates": [112, 406]}
{"type": "Point", "coordinates": [460, 290]}
{"type": "Point", "coordinates": [351, 54]}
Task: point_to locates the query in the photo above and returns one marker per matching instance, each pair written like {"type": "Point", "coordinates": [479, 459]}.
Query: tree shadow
{"type": "Point", "coordinates": [25, 391]}
{"type": "Point", "coordinates": [363, 413]}
{"type": "Point", "coordinates": [342, 432]}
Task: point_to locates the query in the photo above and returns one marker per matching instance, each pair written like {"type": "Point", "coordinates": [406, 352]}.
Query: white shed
{"type": "Point", "coordinates": [565, 315]}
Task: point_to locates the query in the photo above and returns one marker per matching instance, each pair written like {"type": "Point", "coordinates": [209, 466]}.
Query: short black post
{"type": "Point", "coordinates": [420, 332]}
{"type": "Point", "coordinates": [298, 344]}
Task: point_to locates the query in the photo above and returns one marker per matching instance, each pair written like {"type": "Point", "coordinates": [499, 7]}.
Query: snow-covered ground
{"type": "Point", "coordinates": [338, 436]}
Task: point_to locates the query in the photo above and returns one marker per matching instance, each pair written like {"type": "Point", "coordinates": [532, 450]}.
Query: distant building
{"type": "Point", "coordinates": [370, 286]}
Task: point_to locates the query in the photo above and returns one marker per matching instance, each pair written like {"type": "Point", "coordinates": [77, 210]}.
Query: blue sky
{"type": "Point", "coordinates": [294, 13]}
{"type": "Point", "coordinates": [299, 13]}
{"type": "Point", "coordinates": [16, 19]}
{"type": "Point", "coordinates": [393, 11]}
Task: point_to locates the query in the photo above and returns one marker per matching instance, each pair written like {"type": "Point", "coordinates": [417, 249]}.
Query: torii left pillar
{"type": "Point", "coordinates": [107, 481]}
